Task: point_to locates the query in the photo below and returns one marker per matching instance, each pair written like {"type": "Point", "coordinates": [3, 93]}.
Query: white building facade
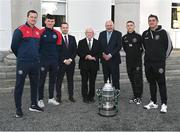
{"type": "Point", "coordinates": [81, 14]}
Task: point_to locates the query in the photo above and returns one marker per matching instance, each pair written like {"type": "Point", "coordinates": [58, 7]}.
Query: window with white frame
{"type": "Point", "coordinates": [56, 8]}
{"type": "Point", "coordinates": [175, 18]}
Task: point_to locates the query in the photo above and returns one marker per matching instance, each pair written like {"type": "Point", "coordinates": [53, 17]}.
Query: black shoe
{"type": "Point", "coordinates": [59, 100]}
{"type": "Point", "coordinates": [19, 113]}
{"type": "Point", "coordinates": [133, 100]}
{"type": "Point", "coordinates": [91, 100]}
{"type": "Point", "coordinates": [72, 99]}
{"type": "Point", "coordinates": [36, 108]}
{"type": "Point", "coordinates": [85, 100]}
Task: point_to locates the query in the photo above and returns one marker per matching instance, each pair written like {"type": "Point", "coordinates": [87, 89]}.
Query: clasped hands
{"type": "Point", "coordinates": [89, 57]}
{"type": "Point", "coordinates": [67, 61]}
{"type": "Point", "coordinates": [107, 57]}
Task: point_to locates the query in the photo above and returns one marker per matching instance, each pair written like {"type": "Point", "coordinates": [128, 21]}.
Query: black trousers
{"type": "Point", "coordinates": [88, 91]}
{"type": "Point", "coordinates": [69, 70]}
{"type": "Point", "coordinates": [22, 70]}
{"type": "Point", "coordinates": [111, 71]}
{"type": "Point", "coordinates": [155, 74]}
{"type": "Point", "coordinates": [136, 79]}
{"type": "Point", "coordinates": [52, 68]}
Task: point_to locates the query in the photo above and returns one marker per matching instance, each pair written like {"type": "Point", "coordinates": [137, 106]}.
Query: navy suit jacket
{"type": "Point", "coordinates": [113, 47]}
{"type": "Point", "coordinates": [70, 52]}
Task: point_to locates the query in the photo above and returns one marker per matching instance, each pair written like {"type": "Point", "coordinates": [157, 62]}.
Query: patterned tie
{"type": "Point", "coordinates": [89, 44]}
{"type": "Point", "coordinates": [66, 42]}
{"type": "Point", "coordinates": [108, 37]}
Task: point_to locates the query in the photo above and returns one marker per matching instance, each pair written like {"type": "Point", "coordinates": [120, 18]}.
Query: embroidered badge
{"type": "Point", "coordinates": [20, 72]}
{"type": "Point", "coordinates": [54, 36]}
{"type": "Point", "coordinates": [161, 70]}
{"type": "Point", "coordinates": [157, 37]}
{"type": "Point", "coordinates": [134, 40]}
{"type": "Point", "coordinates": [137, 68]}
{"type": "Point", "coordinates": [42, 69]}
{"type": "Point", "coordinates": [130, 45]}
{"type": "Point", "coordinates": [37, 33]}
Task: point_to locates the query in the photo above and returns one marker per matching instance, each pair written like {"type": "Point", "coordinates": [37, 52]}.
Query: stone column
{"type": "Point", "coordinates": [20, 8]}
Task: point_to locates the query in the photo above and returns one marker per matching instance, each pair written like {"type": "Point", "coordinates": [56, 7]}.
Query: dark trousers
{"type": "Point", "coordinates": [111, 71]}
{"type": "Point", "coordinates": [52, 68]}
{"type": "Point", "coordinates": [155, 74]}
{"type": "Point", "coordinates": [136, 79]}
{"type": "Point", "coordinates": [88, 75]}
{"type": "Point", "coordinates": [22, 70]}
{"type": "Point", "coordinates": [69, 70]}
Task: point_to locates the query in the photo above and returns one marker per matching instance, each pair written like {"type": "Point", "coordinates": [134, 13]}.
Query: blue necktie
{"type": "Point", "coordinates": [108, 37]}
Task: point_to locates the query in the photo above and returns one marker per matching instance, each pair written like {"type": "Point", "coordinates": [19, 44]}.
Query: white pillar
{"type": "Point", "coordinates": [5, 25]}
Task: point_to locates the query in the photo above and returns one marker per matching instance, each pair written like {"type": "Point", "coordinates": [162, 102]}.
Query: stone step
{"type": "Point", "coordinates": [77, 78]}
{"type": "Point", "coordinates": [9, 71]}
{"type": "Point", "coordinates": [10, 88]}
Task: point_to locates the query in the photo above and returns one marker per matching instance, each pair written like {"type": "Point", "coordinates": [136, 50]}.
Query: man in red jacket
{"type": "Point", "coordinates": [25, 46]}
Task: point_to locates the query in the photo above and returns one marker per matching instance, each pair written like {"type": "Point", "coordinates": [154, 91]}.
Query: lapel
{"type": "Point", "coordinates": [69, 41]}
{"type": "Point", "coordinates": [105, 34]}
{"type": "Point", "coordinates": [93, 44]}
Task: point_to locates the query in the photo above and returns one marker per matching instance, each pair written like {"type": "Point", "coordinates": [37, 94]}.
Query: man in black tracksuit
{"type": "Point", "coordinates": [49, 55]}
{"type": "Point", "coordinates": [132, 45]}
{"type": "Point", "coordinates": [158, 46]}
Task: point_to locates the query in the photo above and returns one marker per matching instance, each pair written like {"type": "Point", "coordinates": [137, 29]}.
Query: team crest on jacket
{"type": "Point", "coordinates": [161, 70]}
{"type": "Point", "coordinates": [42, 69]}
{"type": "Point", "coordinates": [134, 40]}
{"type": "Point", "coordinates": [157, 37]}
{"type": "Point", "coordinates": [20, 72]}
{"type": "Point", "coordinates": [54, 36]}
{"type": "Point", "coordinates": [37, 33]}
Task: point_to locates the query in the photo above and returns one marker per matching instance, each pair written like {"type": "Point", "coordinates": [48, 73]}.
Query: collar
{"type": "Point", "coordinates": [131, 33]}
{"type": "Point", "coordinates": [49, 29]}
{"type": "Point", "coordinates": [29, 25]}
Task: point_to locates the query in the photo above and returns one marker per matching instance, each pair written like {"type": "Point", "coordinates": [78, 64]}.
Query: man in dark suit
{"type": "Point", "coordinates": [88, 51]}
{"type": "Point", "coordinates": [110, 42]}
{"type": "Point", "coordinates": [68, 51]}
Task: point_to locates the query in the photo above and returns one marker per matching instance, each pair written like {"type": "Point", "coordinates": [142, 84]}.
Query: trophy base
{"type": "Point", "coordinates": [107, 113]}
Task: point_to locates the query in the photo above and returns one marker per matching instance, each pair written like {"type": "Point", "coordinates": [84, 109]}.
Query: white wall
{"type": "Point", "coordinates": [126, 10]}
{"type": "Point", "coordinates": [87, 13]}
{"type": "Point", "coordinates": [5, 25]}
{"type": "Point", "coordinates": [161, 8]}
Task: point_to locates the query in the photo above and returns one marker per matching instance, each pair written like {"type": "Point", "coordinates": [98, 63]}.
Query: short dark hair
{"type": "Point", "coordinates": [49, 16]}
{"type": "Point", "coordinates": [31, 11]}
{"type": "Point", "coordinates": [154, 16]}
{"type": "Point", "coordinates": [64, 23]}
{"type": "Point", "coordinates": [129, 22]}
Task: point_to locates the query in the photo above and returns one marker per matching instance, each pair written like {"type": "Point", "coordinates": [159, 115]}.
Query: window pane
{"type": "Point", "coordinates": [175, 21]}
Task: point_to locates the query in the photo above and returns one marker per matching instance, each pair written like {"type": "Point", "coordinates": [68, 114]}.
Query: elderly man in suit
{"type": "Point", "coordinates": [68, 51]}
{"type": "Point", "coordinates": [88, 51]}
{"type": "Point", "coordinates": [110, 43]}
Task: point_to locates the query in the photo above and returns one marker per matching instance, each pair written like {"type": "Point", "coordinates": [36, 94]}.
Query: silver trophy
{"type": "Point", "coordinates": [108, 98]}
